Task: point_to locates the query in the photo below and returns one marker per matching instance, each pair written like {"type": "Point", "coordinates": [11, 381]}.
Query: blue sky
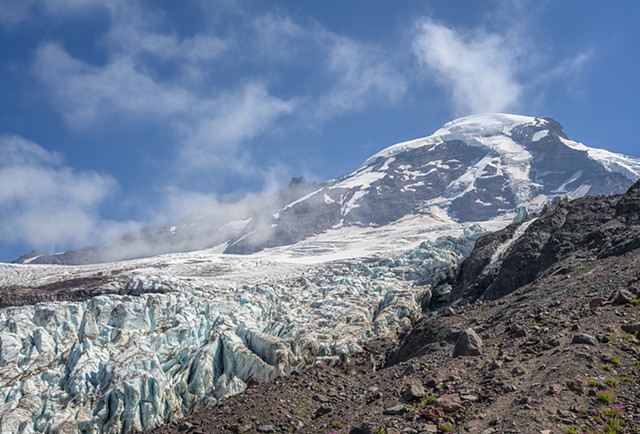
{"type": "Point", "coordinates": [121, 113]}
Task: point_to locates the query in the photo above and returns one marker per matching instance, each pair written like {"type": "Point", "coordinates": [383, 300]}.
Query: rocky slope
{"type": "Point", "coordinates": [556, 352]}
{"type": "Point", "coordinates": [586, 228]}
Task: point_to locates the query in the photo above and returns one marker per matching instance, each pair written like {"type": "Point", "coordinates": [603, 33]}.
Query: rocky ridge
{"type": "Point", "coordinates": [559, 353]}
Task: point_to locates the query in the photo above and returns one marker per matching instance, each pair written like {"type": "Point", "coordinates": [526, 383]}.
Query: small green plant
{"type": "Point", "coordinates": [628, 380]}
{"type": "Point", "coordinates": [607, 368]}
{"type": "Point", "coordinates": [446, 427]}
{"type": "Point", "coordinates": [637, 363]}
{"type": "Point", "coordinates": [613, 426]}
{"type": "Point", "coordinates": [612, 382]}
{"type": "Point", "coordinates": [606, 397]}
{"type": "Point", "coordinates": [611, 411]}
{"type": "Point", "coordinates": [336, 424]}
{"type": "Point", "coordinates": [429, 400]}
{"type": "Point", "coordinates": [592, 382]}
{"type": "Point", "coordinates": [616, 361]}
{"type": "Point", "coordinates": [635, 302]}
{"type": "Point", "coordinates": [572, 430]}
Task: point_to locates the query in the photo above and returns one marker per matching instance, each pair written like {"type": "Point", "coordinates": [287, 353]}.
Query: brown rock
{"type": "Point", "coordinates": [433, 413]}
{"type": "Point", "coordinates": [413, 391]}
{"type": "Point", "coordinates": [622, 296]}
{"type": "Point", "coordinates": [430, 428]}
{"type": "Point", "coordinates": [449, 403]}
{"type": "Point", "coordinates": [595, 302]}
{"type": "Point", "coordinates": [448, 311]}
{"type": "Point", "coordinates": [631, 328]}
{"type": "Point", "coordinates": [431, 383]}
{"type": "Point", "coordinates": [395, 410]}
{"type": "Point", "coordinates": [468, 344]}
{"type": "Point", "coordinates": [322, 410]}
{"type": "Point", "coordinates": [555, 389]}
{"type": "Point", "coordinates": [576, 386]}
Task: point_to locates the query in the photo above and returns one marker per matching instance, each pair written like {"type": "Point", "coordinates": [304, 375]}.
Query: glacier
{"type": "Point", "coordinates": [124, 363]}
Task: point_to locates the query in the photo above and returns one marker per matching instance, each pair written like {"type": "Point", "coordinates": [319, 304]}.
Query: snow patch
{"type": "Point", "coordinates": [353, 202]}
{"type": "Point", "coordinates": [360, 179]}
{"type": "Point", "coordinates": [303, 198]}
{"type": "Point", "coordinates": [502, 248]}
{"type": "Point", "coordinates": [629, 167]}
{"type": "Point", "coordinates": [539, 135]}
{"type": "Point", "coordinates": [572, 178]}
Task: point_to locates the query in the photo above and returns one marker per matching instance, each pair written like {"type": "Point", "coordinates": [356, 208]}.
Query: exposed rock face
{"type": "Point", "coordinates": [590, 227]}
{"type": "Point", "coordinates": [122, 363]}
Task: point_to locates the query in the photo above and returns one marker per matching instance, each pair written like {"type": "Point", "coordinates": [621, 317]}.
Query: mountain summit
{"type": "Point", "coordinates": [474, 169]}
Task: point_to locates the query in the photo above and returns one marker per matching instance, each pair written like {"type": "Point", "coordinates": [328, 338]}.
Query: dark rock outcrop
{"type": "Point", "coordinates": [588, 228]}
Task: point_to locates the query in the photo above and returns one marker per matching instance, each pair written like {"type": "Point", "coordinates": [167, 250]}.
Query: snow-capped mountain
{"type": "Point", "coordinates": [124, 346]}
{"type": "Point", "coordinates": [474, 169]}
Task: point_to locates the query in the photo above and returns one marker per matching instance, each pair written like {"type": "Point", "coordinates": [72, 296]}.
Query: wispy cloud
{"type": "Point", "coordinates": [45, 203]}
{"type": "Point", "coordinates": [480, 69]}
{"type": "Point", "coordinates": [362, 76]}
{"type": "Point", "coordinates": [87, 95]}
{"type": "Point", "coordinates": [14, 13]}
{"type": "Point", "coordinates": [348, 75]}
{"type": "Point", "coordinates": [212, 126]}
{"type": "Point", "coordinates": [498, 65]}
{"type": "Point", "coordinates": [230, 120]}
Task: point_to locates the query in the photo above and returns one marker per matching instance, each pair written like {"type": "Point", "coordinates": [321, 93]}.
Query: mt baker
{"type": "Point", "coordinates": [312, 272]}
{"type": "Point", "coordinates": [474, 169]}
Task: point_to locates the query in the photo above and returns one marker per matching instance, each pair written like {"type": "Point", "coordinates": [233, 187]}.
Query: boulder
{"type": "Point", "coordinates": [468, 344]}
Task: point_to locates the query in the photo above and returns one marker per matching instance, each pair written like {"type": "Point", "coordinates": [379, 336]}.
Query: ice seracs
{"type": "Point", "coordinates": [122, 363]}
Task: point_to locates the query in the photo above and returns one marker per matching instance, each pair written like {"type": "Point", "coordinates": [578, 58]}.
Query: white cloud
{"type": "Point", "coordinates": [154, 77]}
{"type": "Point", "coordinates": [279, 38]}
{"type": "Point", "coordinates": [47, 204]}
{"type": "Point", "coordinates": [16, 12]}
{"type": "Point", "coordinates": [136, 31]}
{"type": "Point", "coordinates": [231, 120]}
{"type": "Point", "coordinates": [362, 77]}
{"type": "Point", "coordinates": [87, 94]}
{"type": "Point", "coordinates": [12, 13]}
{"type": "Point", "coordinates": [480, 69]}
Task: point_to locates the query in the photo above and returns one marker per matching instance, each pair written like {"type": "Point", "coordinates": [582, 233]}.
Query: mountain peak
{"type": "Point", "coordinates": [475, 169]}
{"type": "Point", "coordinates": [480, 125]}
{"type": "Point", "coordinates": [488, 121]}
